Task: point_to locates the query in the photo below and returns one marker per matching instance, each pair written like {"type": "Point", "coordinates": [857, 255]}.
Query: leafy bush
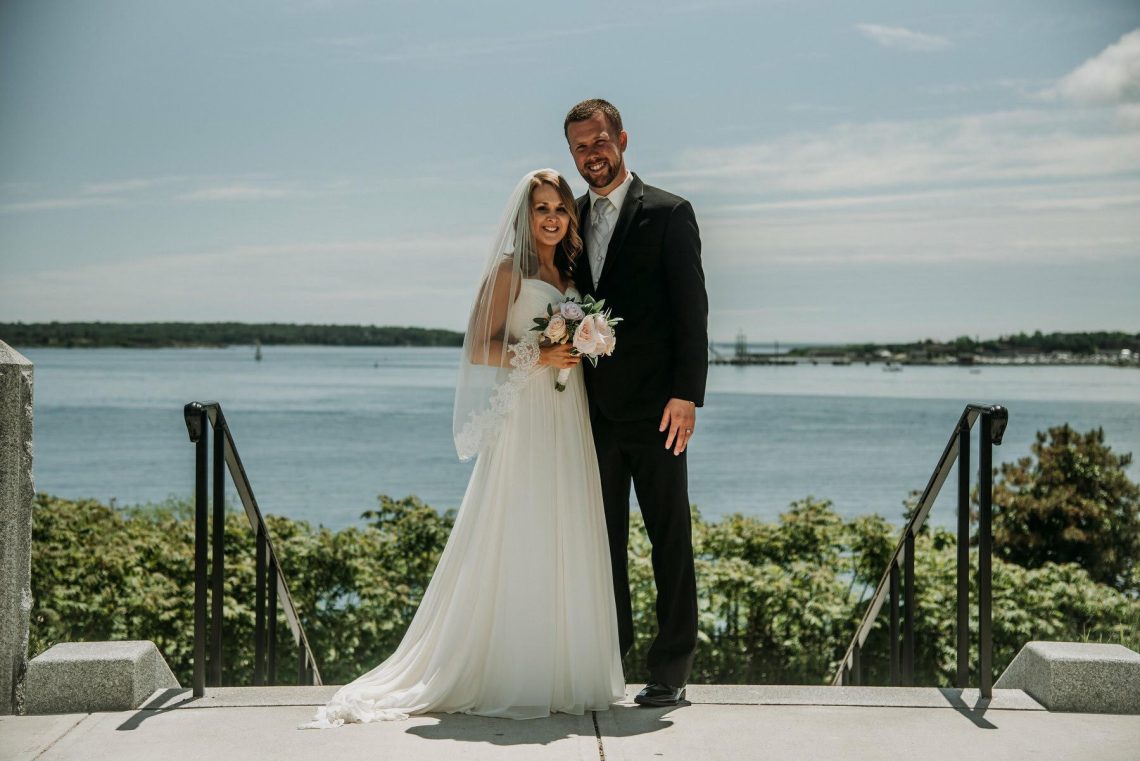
{"type": "Point", "coordinates": [1071, 502]}
{"type": "Point", "coordinates": [778, 602]}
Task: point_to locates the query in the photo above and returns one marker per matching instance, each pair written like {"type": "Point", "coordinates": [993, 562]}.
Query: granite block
{"type": "Point", "coordinates": [1083, 677]}
{"type": "Point", "coordinates": [83, 677]}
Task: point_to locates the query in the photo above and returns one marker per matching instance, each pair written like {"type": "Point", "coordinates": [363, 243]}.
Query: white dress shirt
{"type": "Point", "coordinates": [617, 198]}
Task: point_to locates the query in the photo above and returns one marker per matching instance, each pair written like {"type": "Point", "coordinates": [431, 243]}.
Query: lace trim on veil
{"type": "Point", "coordinates": [483, 425]}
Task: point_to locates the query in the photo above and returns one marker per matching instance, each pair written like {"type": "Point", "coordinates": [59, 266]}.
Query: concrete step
{"type": "Point", "coordinates": [729, 722]}
{"type": "Point", "coordinates": [702, 694]}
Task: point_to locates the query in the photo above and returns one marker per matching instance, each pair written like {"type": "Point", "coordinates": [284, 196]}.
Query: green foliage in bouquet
{"type": "Point", "coordinates": [589, 308]}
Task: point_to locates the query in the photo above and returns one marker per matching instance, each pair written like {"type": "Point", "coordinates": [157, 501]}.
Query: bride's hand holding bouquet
{"type": "Point", "coordinates": [574, 329]}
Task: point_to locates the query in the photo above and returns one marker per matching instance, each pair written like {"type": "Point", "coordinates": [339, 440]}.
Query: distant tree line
{"type": "Point", "coordinates": [194, 334]}
{"type": "Point", "coordinates": [1080, 344]}
{"type": "Point", "coordinates": [185, 334]}
{"type": "Point", "coordinates": [1038, 342]}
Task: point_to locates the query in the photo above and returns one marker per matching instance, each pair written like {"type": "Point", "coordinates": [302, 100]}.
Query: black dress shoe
{"type": "Point", "coordinates": [657, 694]}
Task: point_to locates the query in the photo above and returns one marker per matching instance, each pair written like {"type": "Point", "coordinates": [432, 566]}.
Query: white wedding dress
{"type": "Point", "coordinates": [518, 620]}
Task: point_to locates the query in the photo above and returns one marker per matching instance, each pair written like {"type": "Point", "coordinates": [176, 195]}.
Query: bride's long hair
{"type": "Point", "coordinates": [568, 250]}
{"type": "Point", "coordinates": [495, 361]}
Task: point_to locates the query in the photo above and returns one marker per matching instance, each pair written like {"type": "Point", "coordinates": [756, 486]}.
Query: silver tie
{"type": "Point", "coordinates": [600, 227]}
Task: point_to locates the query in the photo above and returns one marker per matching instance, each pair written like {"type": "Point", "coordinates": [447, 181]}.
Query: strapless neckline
{"type": "Point", "coordinates": [551, 286]}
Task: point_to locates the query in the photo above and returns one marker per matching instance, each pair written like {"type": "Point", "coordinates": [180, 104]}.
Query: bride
{"type": "Point", "coordinates": [519, 619]}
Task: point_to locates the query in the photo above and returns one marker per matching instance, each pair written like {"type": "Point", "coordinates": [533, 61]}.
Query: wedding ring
{"type": "Point", "coordinates": [688, 430]}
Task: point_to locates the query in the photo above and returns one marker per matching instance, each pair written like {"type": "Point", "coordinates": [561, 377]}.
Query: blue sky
{"type": "Point", "coordinates": [860, 171]}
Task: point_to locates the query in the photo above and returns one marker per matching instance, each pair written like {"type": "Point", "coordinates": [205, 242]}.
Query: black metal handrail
{"type": "Point", "coordinates": [270, 580]}
{"type": "Point", "coordinates": [994, 420]}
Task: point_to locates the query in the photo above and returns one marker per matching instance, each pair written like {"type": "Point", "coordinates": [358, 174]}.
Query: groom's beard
{"type": "Point", "coordinates": [606, 176]}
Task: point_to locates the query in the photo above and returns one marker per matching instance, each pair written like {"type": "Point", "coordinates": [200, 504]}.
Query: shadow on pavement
{"type": "Point", "coordinates": [623, 721]}
{"type": "Point", "coordinates": [975, 713]}
{"type": "Point", "coordinates": [468, 728]}
{"type": "Point", "coordinates": [627, 721]}
{"type": "Point", "coordinates": [157, 705]}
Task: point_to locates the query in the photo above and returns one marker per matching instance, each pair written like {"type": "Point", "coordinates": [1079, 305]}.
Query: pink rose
{"type": "Point", "coordinates": [605, 334]}
{"type": "Point", "coordinates": [555, 330]}
{"type": "Point", "coordinates": [586, 338]}
{"type": "Point", "coordinates": [571, 311]}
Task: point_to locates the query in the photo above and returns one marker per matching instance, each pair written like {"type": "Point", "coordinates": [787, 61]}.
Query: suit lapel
{"type": "Point", "coordinates": [629, 210]}
{"type": "Point", "coordinates": [583, 275]}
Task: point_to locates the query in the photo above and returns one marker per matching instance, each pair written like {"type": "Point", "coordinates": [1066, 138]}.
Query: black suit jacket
{"type": "Point", "coordinates": [652, 279]}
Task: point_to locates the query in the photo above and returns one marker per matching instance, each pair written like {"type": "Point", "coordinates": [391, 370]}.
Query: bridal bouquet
{"type": "Point", "coordinates": [584, 323]}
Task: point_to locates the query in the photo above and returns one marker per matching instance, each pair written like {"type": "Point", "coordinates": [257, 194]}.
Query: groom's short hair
{"type": "Point", "coordinates": [587, 108]}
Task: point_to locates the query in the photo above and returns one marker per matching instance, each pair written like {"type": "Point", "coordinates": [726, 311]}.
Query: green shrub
{"type": "Point", "coordinates": [778, 602]}
{"type": "Point", "coordinates": [1071, 502]}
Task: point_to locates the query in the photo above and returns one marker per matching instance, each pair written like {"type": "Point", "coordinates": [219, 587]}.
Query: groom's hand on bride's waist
{"type": "Point", "coordinates": [679, 419]}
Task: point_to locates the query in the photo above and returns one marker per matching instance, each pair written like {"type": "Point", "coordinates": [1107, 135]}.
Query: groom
{"type": "Point", "coordinates": [643, 256]}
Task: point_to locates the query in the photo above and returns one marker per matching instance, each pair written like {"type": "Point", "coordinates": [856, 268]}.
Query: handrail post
{"type": "Point", "coordinates": [208, 637]}
{"type": "Point", "coordinates": [985, 515]}
{"type": "Point", "coordinates": [856, 665]}
{"type": "Point", "coordinates": [271, 676]}
{"type": "Point", "coordinates": [908, 611]}
{"type": "Point", "coordinates": [217, 568]}
{"type": "Point", "coordinates": [201, 490]}
{"type": "Point", "coordinates": [896, 677]}
{"type": "Point", "coordinates": [259, 611]}
{"type": "Point", "coordinates": [994, 420]}
{"type": "Point", "coordinates": [963, 552]}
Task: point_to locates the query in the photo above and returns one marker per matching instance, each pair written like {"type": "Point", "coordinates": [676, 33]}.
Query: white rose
{"type": "Point", "coordinates": [555, 330]}
{"type": "Point", "coordinates": [571, 311]}
{"type": "Point", "coordinates": [586, 338]}
{"type": "Point", "coordinates": [605, 334]}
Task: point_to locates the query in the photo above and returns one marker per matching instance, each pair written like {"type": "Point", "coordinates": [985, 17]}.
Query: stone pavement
{"type": "Point", "coordinates": [730, 722]}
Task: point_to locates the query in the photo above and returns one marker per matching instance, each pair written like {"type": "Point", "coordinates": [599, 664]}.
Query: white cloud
{"type": "Point", "coordinates": [347, 41]}
{"type": "Point", "coordinates": [475, 47]}
{"type": "Point", "coordinates": [1080, 202]}
{"type": "Point", "coordinates": [1017, 146]}
{"type": "Point", "coordinates": [119, 187]}
{"type": "Point", "coordinates": [1042, 187]}
{"type": "Point", "coordinates": [53, 204]}
{"type": "Point", "coordinates": [811, 108]}
{"type": "Point", "coordinates": [1112, 76]}
{"type": "Point", "coordinates": [912, 207]}
{"type": "Point", "coordinates": [134, 191]}
{"type": "Point", "coordinates": [903, 38]}
{"type": "Point", "coordinates": [1128, 116]}
{"type": "Point", "coordinates": [965, 228]}
{"type": "Point", "coordinates": [1021, 87]}
{"type": "Point", "coordinates": [1038, 197]}
{"type": "Point", "coordinates": [239, 192]}
{"type": "Point", "coordinates": [413, 280]}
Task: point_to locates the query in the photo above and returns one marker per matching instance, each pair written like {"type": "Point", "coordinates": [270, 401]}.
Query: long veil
{"type": "Point", "coordinates": [495, 364]}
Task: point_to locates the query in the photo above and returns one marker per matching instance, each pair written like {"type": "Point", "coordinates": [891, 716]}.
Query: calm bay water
{"type": "Point", "coordinates": [323, 430]}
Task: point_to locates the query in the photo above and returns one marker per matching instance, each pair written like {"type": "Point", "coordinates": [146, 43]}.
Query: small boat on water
{"type": "Point", "coordinates": [891, 367]}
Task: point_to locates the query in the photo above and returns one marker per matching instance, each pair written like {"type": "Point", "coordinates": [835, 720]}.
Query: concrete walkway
{"type": "Point", "coordinates": [732, 722]}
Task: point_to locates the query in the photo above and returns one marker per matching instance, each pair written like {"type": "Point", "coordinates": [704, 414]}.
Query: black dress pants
{"type": "Point", "coordinates": [635, 451]}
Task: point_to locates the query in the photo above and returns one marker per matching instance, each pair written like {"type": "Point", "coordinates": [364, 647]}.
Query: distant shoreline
{"type": "Point", "coordinates": [1117, 349]}
{"type": "Point", "coordinates": [213, 335]}
{"type": "Point", "coordinates": [1042, 360]}
{"type": "Point", "coordinates": [1029, 350]}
